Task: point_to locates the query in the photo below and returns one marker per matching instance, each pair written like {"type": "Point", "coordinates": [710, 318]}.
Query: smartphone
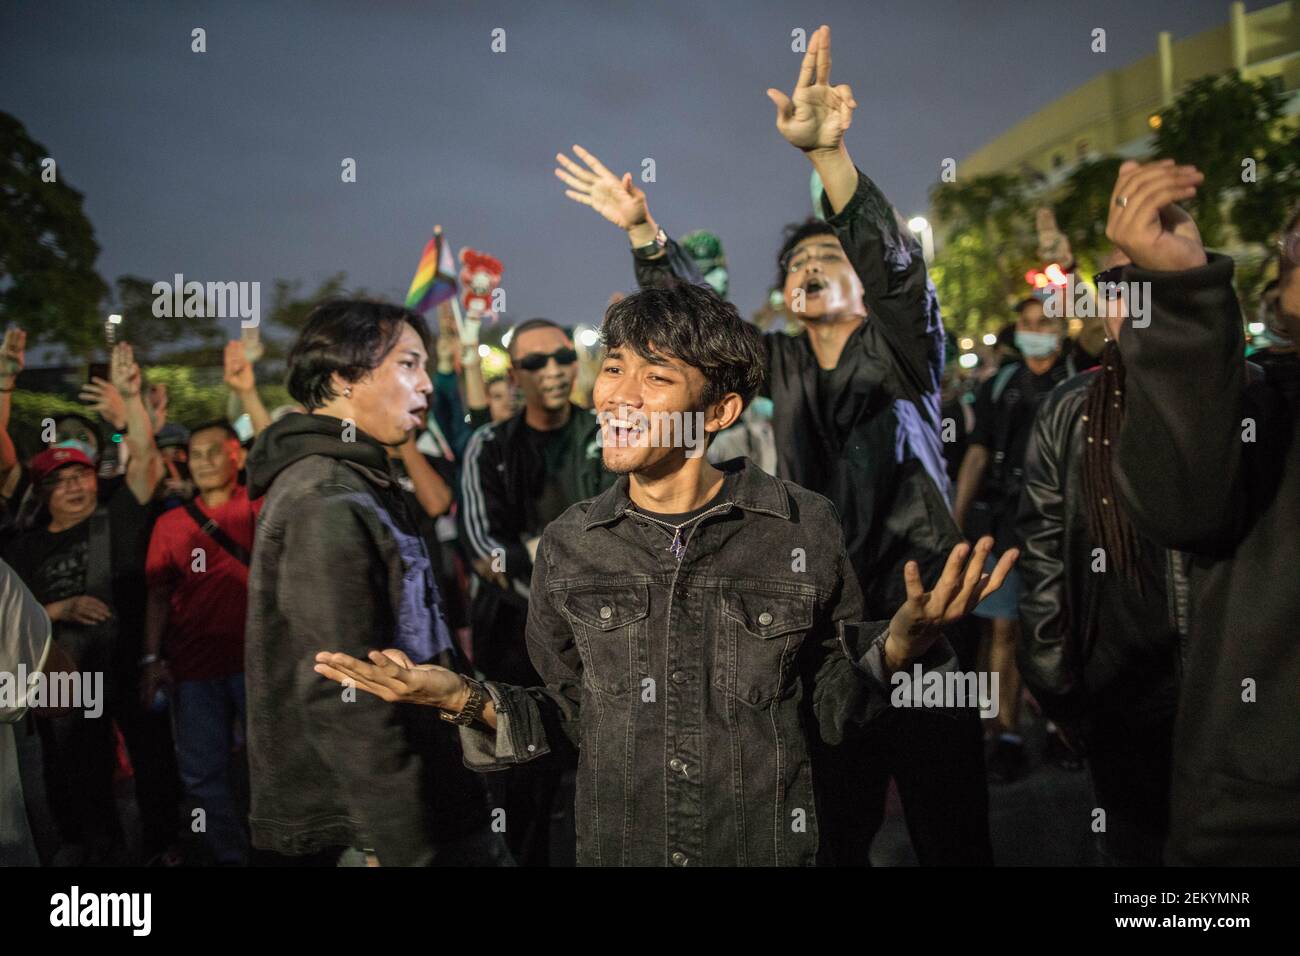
{"type": "Point", "coordinates": [97, 370]}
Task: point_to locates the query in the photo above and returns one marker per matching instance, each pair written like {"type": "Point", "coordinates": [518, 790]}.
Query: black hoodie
{"type": "Point", "coordinates": [338, 564]}
{"type": "Point", "coordinates": [1209, 463]}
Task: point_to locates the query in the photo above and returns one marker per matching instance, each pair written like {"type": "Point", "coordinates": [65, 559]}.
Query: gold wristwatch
{"type": "Point", "coordinates": [474, 704]}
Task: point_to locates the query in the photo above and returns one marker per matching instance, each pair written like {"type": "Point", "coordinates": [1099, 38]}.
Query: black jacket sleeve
{"type": "Point", "coordinates": [485, 511]}
{"type": "Point", "coordinates": [334, 597]}
{"type": "Point", "coordinates": [532, 721]}
{"type": "Point", "coordinates": [1044, 652]}
{"type": "Point", "coordinates": [901, 300]}
{"type": "Point", "coordinates": [674, 266]}
{"type": "Point", "coordinates": [1181, 462]}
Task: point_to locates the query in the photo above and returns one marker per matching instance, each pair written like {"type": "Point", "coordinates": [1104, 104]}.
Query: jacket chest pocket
{"type": "Point", "coordinates": [610, 626]}
{"type": "Point", "coordinates": [757, 643]}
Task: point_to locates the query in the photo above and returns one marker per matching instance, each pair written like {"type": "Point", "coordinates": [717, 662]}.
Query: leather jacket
{"type": "Point", "coordinates": [1057, 558]}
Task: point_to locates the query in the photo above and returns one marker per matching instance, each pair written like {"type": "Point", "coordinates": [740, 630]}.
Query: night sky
{"type": "Point", "coordinates": [225, 165]}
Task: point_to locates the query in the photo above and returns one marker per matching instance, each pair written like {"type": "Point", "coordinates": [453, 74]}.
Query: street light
{"type": "Point", "coordinates": [921, 226]}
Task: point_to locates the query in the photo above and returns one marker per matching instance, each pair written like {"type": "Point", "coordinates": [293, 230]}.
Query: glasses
{"type": "Point", "coordinates": [792, 262]}
{"type": "Point", "coordinates": [1108, 283]}
{"type": "Point", "coordinates": [67, 478]}
{"type": "Point", "coordinates": [536, 361]}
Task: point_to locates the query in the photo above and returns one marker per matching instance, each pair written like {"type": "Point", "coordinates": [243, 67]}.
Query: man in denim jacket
{"type": "Point", "coordinates": [695, 627]}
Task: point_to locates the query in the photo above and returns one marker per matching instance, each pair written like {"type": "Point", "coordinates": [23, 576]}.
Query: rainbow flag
{"type": "Point", "coordinates": [435, 276]}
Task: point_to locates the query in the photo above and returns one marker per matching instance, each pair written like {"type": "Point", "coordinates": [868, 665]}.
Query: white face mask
{"type": "Point", "coordinates": [1037, 344]}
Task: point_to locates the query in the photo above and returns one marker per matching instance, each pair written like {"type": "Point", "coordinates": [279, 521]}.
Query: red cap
{"type": "Point", "coordinates": [52, 459]}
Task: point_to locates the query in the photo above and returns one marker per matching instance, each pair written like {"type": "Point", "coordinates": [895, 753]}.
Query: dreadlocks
{"type": "Point", "coordinates": [1103, 413]}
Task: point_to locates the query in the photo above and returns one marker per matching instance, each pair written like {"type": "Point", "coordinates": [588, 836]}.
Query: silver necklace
{"type": "Point", "coordinates": [678, 546]}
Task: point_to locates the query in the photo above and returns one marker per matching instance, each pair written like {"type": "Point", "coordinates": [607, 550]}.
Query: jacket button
{"type": "Point", "coordinates": [606, 612]}
{"type": "Point", "coordinates": [765, 619]}
{"type": "Point", "coordinates": [676, 765]}
{"type": "Point", "coordinates": [679, 858]}
{"type": "Point", "coordinates": [679, 677]}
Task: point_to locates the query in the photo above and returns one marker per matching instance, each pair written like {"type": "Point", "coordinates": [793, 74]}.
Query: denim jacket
{"type": "Point", "coordinates": [694, 691]}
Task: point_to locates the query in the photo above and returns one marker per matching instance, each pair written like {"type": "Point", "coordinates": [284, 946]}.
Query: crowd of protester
{"type": "Point", "coordinates": [484, 548]}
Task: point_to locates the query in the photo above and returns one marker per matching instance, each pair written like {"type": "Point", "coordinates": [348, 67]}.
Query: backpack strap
{"type": "Point", "coordinates": [215, 532]}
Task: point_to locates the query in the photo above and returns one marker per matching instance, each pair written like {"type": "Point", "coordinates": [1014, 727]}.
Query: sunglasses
{"type": "Point", "coordinates": [536, 361]}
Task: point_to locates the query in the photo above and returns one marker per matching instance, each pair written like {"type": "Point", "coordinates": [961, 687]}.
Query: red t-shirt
{"type": "Point", "coordinates": [209, 592]}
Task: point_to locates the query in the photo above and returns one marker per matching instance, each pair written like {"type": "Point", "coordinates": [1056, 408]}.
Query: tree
{"type": "Point", "coordinates": [150, 334]}
{"type": "Point", "coordinates": [1218, 122]}
{"type": "Point", "coordinates": [1082, 206]}
{"type": "Point", "coordinates": [48, 282]}
{"type": "Point", "coordinates": [290, 308]}
{"type": "Point", "coordinates": [989, 240]}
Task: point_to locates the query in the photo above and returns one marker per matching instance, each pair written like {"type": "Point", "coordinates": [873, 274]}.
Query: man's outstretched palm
{"type": "Point", "coordinates": [392, 676]}
{"type": "Point", "coordinates": [817, 114]}
{"type": "Point", "coordinates": [617, 199]}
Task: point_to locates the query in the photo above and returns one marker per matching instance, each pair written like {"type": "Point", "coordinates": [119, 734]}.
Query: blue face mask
{"type": "Point", "coordinates": [81, 446]}
{"type": "Point", "coordinates": [762, 406]}
{"type": "Point", "coordinates": [1037, 344]}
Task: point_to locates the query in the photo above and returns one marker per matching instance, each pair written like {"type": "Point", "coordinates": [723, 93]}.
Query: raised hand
{"type": "Point", "coordinates": [616, 198]}
{"type": "Point", "coordinates": [961, 586]}
{"type": "Point", "coordinates": [106, 400]}
{"type": "Point", "coordinates": [124, 371]}
{"type": "Point", "coordinates": [1145, 221]}
{"type": "Point", "coordinates": [392, 676]}
{"type": "Point", "coordinates": [1052, 243]}
{"type": "Point", "coordinates": [238, 370]}
{"type": "Point", "coordinates": [12, 355]}
{"type": "Point", "coordinates": [815, 117]}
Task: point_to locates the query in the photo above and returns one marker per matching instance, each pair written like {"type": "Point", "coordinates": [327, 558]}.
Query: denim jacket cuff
{"type": "Point", "coordinates": [518, 737]}
{"type": "Point", "coordinates": [864, 645]}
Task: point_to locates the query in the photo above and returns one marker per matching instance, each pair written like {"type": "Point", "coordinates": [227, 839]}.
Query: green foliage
{"type": "Point", "coordinates": [1217, 122]}
{"type": "Point", "coordinates": [48, 282]}
{"type": "Point", "coordinates": [1082, 206]}
{"type": "Point", "coordinates": [290, 308]}
{"type": "Point", "coordinates": [152, 335]}
{"type": "Point", "coordinates": [979, 270]}
{"type": "Point", "coordinates": [1262, 207]}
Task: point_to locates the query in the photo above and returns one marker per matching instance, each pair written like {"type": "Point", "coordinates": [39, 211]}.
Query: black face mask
{"type": "Point", "coordinates": [536, 361]}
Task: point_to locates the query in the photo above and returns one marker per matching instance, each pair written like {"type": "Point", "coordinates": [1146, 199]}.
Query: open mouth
{"type": "Point", "coordinates": [621, 431]}
{"type": "Point", "coordinates": [814, 286]}
{"type": "Point", "coordinates": [416, 415]}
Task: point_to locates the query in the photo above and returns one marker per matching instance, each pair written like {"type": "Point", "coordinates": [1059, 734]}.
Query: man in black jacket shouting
{"type": "Point", "coordinates": [1209, 463]}
{"type": "Point", "coordinates": [338, 557]}
{"type": "Point", "coordinates": [696, 628]}
{"type": "Point", "coordinates": [855, 403]}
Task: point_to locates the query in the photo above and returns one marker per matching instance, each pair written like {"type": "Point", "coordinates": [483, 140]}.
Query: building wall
{"type": "Point", "coordinates": [1109, 114]}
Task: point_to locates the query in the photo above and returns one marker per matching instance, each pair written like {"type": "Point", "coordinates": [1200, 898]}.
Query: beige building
{"type": "Point", "coordinates": [1116, 112]}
